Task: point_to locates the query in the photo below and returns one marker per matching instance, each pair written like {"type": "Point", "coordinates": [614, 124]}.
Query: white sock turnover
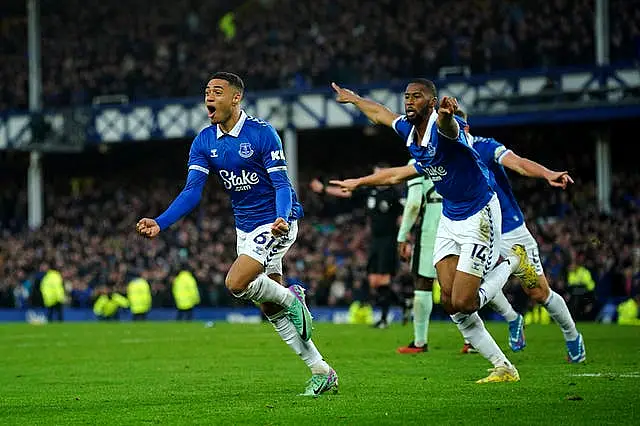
{"type": "Point", "coordinates": [264, 289]}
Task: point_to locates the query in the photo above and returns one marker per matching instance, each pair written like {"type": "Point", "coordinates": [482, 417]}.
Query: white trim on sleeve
{"type": "Point", "coordinates": [450, 138]}
{"type": "Point", "coordinates": [276, 169]}
{"type": "Point", "coordinates": [501, 155]}
{"type": "Point", "coordinates": [199, 168]}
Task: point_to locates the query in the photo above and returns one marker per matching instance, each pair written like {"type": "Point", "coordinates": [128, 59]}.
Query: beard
{"type": "Point", "coordinates": [419, 116]}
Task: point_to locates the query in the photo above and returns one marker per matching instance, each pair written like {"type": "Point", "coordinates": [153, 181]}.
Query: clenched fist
{"type": "Point", "coordinates": [148, 228]}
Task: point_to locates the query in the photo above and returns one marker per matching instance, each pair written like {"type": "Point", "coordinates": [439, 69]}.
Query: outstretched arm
{"type": "Point", "coordinates": [186, 201]}
{"type": "Point", "coordinates": [377, 113]}
{"type": "Point", "coordinates": [530, 168]}
{"type": "Point", "coordinates": [320, 188]}
{"type": "Point", "coordinates": [390, 176]}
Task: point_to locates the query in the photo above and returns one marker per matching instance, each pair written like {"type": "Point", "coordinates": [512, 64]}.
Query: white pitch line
{"type": "Point", "coordinates": [632, 375]}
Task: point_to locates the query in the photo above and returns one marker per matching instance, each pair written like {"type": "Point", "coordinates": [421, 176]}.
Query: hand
{"type": "Point", "coordinates": [448, 106]}
{"type": "Point", "coordinates": [347, 185]}
{"type": "Point", "coordinates": [148, 228]}
{"type": "Point", "coordinates": [404, 251]}
{"type": "Point", "coordinates": [316, 186]}
{"type": "Point", "coordinates": [344, 96]}
{"type": "Point", "coordinates": [559, 179]}
{"type": "Point", "coordinates": [280, 227]}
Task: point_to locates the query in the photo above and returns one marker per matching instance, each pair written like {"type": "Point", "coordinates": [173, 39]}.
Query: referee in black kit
{"type": "Point", "coordinates": [383, 209]}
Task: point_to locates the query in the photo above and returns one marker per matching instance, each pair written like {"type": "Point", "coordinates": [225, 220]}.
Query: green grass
{"type": "Point", "coordinates": [167, 373]}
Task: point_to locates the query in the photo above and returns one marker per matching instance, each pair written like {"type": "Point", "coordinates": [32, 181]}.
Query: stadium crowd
{"type": "Point", "coordinates": [88, 234]}
{"type": "Point", "coordinates": [153, 49]}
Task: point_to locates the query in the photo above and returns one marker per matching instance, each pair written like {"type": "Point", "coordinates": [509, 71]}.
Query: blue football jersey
{"type": "Point", "coordinates": [456, 170]}
{"type": "Point", "coordinates": [491, 152]}
{"type": "Point", "coordinates": [243, 160]}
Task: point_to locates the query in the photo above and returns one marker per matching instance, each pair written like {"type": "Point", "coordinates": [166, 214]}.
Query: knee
{"type": "Point", "coordinates": [466, 305]}
{"type": "Point", "coordinates": [445, 299]}
{"type": "Point", "coordinates": [235, 285]}
{"type": "Point", "coordinates": [539, 294]}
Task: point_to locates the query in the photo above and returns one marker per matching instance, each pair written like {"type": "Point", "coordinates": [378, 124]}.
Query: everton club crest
{"type": "Point", "coordinates": [246, 150]}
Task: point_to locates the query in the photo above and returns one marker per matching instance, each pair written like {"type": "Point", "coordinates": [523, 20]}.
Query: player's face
{"type": "Point", "coordinates": [417, 103]}
{"type": "Point", "coordinates": [220, 99]}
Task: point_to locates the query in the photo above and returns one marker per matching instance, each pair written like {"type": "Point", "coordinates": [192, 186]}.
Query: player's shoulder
{"type": "Point", "coordinates": [401, 119]}
{"type": "Point", "coordinates": [207, 132]}
{"type": "Point", "coordinates": [483, 140]}
{"type": "Point", "coordinates": [258, 124]}
{"type": "Point", "coordinates": [401, 124]}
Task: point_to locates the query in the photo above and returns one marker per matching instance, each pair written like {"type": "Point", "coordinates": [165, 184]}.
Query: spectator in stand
{"type": "Point", "coordinates": [92, 48]}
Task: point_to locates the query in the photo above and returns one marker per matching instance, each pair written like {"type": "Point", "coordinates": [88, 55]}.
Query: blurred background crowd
{"type": "Point", "coordinates": [162, 48]}
{"type": "Point", "coordinates": [93, 201]}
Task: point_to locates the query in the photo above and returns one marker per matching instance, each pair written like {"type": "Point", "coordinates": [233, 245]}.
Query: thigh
{"type": "Point", "coordinates": [266, 249]}
{"type": "Point", "coordinates": [522, 236]}
{"type": "Point", "coordinates": [388, 256]}
{"type": "Point", "coordinates": [273, 260]}
{"type": "Point", "coordinates": [422, 260]}
{"type": "Point", "coordinates": [373, 259]}
{"type": "Point", "coordinates": [446, 269]}
{"type": "Point", "coordinates": [480, 240]}
{"type": "Point", "coordinates": [243, 271]}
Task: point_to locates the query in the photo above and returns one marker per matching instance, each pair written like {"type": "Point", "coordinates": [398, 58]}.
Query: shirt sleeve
{"type": "Point", "coordinates": [276, 165]}
{"type": "Point", "coordinates": [186, 201]}
{"type": "Point", "coordinates": [416, 180]}
{"type": "Point", "coordinates": [272, 153]}
{"type": "Point", "coordinates": [197, 156]}
{"type": "Point", "coordinates": [498, 150]}
{"type": "Point", "coordinates": [402, 126]}
{"type": "Point", "coordinates": [411, 209]}
{"type": "Point", "coordinates": [460, 137]}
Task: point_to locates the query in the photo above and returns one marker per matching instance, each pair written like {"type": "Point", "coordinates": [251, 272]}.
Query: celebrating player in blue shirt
{"type": "Point", "coordinates": [247, 157]}
{"type": "Point", "coordinates": [466, 251]}
{"type": "Point", "coordinates": [514, 231]}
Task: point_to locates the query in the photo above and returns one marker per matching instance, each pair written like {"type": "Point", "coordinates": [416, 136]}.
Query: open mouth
{"type": "Point", "coordinates": [211, 110]}
{"type": "Point", "coordinates": [410, 111]}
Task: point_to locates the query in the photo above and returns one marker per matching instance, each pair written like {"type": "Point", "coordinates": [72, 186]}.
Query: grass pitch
{"type": "Point", "coordinates": [169, 373]}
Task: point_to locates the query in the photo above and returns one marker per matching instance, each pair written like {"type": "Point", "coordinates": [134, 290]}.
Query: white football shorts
{"type": "Point", "coordinates": [261, 245]}
{"type": "Point", "coordinates": [476, 239]}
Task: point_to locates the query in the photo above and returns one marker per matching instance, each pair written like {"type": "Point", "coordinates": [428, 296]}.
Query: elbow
{"type": "Point", "coordinates": [394, 179]}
